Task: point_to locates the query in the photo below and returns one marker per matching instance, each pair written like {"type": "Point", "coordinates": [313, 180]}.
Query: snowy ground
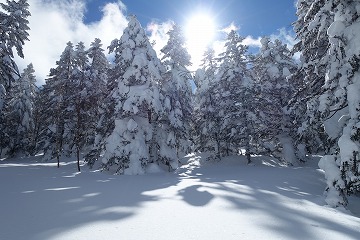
{"type": "Point", "coordinates": [226, 200]}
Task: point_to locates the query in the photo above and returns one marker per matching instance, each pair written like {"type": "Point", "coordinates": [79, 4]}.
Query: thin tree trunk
{"type": "Point", "coordinates": [58, 160]}
{"type": "Point", "coordinates": [218, 148]}
{"type": "Point", "coordinates": [78, 134]}
{"type": "Point", "coordinates": [248, 157]}
{"type": "Point", "coordinates": [78, 159]}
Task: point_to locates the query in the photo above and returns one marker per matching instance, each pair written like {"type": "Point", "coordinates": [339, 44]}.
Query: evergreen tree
{"type": "Point", "coordinates": [272, 67]}
{"type": "Point", "coordinates": [77, 107]}
{"type": "Point", "coordinates": [314, 18]}
{"type": "Point", "coordinates": [230, 120]}
{"type": "Point", "coordinates": [13, 34]}
{"type": "Point", "coordinates": [96, 87]}
{"type": "Point", "coordinates": [203, 79]}
{"type": "Point", "coordinates": [104, 79]}
{"type": "Point", "coordinates": [58, 91]}
{"type": "Point", "coordinates": [20, 125]}
{"type": "Point", "coordinates": [339, 104]}
{"type": "Point", "coordinates": [177, 87]}
{"type": "Point", "coordinates": [133, 142]}
{"type": "Point", "coordinates": [13, 27]}
{"type": "Point", "coordinates": [40, 117]}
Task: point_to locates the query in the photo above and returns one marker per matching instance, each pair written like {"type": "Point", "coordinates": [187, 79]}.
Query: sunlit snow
{"type": "Point", "coordinates": [201, 200]}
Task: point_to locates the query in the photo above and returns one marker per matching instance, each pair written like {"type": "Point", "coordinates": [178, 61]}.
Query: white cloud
{"type": "Point", "coordinates": [285, 36]}
{"type": "Point", "coordinates": [231, 27]}
{"type": "Point", "coordinates": [55, 22]}
{"type": "Point", "coordinates": [158, 34]}
{"type": "Point", "coordinates": [252, 42]}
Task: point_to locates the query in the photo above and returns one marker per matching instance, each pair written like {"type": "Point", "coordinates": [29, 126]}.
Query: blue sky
{"type": "Point", "coordinates": [55, 22]}
{"type": "Point", "coordinates": [253, 17]}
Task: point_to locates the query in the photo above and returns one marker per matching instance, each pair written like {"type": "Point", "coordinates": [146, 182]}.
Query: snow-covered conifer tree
{"type": "Point", "coordinates": [231, 123]}
{"type": "Point", "coordinates": [13, 27]}
{"type": "Point", "coordinates": [58, 92]}
{"type": "Point", "coordinates": [271, 67]}
{"type": "Point", "coordinates": [13, 34]}
{"type": "Point", "coordinates": [132, 144]}
{"type": "Point", "coordinates": [104, 79]}
{"type": "Point", "coordinates": [177, 87]}
{"type": "Point", "coordinates": [340, 102]}
{"type": "Point", "coordinates": [96, 87]}
{"type": "Point", "coordinates": [204, 77]}
{"type": "Point", "coordinates": [314, 18]}
{"type": "Point", "coordinates": [20, 122]}
{"type": "Point", "coordinates": [77, 115]}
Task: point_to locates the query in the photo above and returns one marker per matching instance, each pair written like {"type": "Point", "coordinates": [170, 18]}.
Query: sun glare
{"type": "Point", "coordinates": [200, 31]}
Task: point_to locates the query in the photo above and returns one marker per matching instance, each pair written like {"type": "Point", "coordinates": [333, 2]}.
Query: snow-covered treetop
{"type": "Point", "coordinates": [14, 25]}
{"type": "Point", "coordinates": [235, 51]}
{"type": "Point", "coordinates": [99, 62]}
{"type": "Point", "coordinates": [28, 81]}
{"type": "Point", "coordinates": [276, 58]}
{"type": "Point", "coordinates": [134, 49]}
{"type": "Point", "coordinates": [175, 53]}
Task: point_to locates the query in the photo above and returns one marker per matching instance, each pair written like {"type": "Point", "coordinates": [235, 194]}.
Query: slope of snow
{"type": "Point", "coordinates": [201, 200]}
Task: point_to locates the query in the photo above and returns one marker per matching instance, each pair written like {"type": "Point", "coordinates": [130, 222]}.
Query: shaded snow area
{"type": "Point", "coordinates": [201, 200]}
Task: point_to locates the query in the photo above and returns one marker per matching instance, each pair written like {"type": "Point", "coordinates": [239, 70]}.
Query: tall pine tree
{"type": "Point", "coordinates": [272, 67]}
{"type": "Point", "coordinates": [20, 126]}
{"type": "Point", "coordinates": [177, 87]}
{"type": "Point", "coordinates": [58, 91]}
{"type": "Point", "coordinates": [133, 143]}
{"type": "Point", "coordinates": [339, 103]}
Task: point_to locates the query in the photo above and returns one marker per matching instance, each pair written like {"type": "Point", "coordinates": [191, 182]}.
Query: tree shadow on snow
{"type": "Point", "coordinates": [195, 196]}
{"type": "Point", "coordinates": [267, 188]}
{"type": "Point", "coordinates": [42, 203]}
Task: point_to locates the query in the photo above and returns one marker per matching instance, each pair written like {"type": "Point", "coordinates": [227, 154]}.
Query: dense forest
{"type": "Point", "coordinates": [138, 109]}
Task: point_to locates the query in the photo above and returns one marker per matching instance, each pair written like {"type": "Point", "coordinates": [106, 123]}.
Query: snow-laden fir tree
{"type": "Point", "coordinates": [272, 66]}
{"type": "Point", "coordinates": [13, 28]}
{"type": "Point", "coordinates": [133, 143]}
{"type": "Point", "coordinates": [314, 18]}
{"type": "Point", "coordinates": [178, 88]}
{"type": "Point", "coordinates": [13, 34]}
{"type": "Point", "coordinates": [230, 110]}
{"type": "Point", "coordinates": [20, 122]}
{"type": "Point", "coordinates": [103, 82]}
{"type": "Point", "coordinates": [40, 118]}
{"type": "Point", "coordinates": [58, 91]}
{"type": "Point", "coordinates": [99, 69]}
{"type": "Point", "coordinates": [203, 78]}
{"type": "Point", "coordinates": [78, 117]}
{"type": "Point", "coordinates": [340, 102]}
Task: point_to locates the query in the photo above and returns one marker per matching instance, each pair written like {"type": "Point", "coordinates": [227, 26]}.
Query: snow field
{"type": "Point", "coordinates": [201, 200]}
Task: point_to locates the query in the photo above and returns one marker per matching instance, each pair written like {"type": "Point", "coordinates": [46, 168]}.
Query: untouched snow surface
{"type": "Point", "coordinates": [202, 200]}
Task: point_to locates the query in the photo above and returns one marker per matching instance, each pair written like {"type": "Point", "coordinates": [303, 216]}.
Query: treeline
{"type": "Point", "coordinates": [139, 110]}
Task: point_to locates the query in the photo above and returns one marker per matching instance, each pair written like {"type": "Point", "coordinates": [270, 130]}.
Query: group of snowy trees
{"type": "Point", "coordinates": [242, 98]}
{"type": "Point", "coordinates": [139, 111]}
{"type": "Point", "coordinates": [16, 90]}
{"type": "Point", "coordinates": [329, 34]}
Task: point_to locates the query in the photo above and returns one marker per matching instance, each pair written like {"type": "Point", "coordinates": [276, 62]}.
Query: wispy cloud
{"type": "Point", "coordinates": [231, 27]}
{"type": "Point", "coordinates": [252, 42]}
{"type": "Point", "coordinates": [285, 36]}
{"type": "Point", "coordinates": [55, 22]}
{"type": "Point", "coordinates": [158, 34]}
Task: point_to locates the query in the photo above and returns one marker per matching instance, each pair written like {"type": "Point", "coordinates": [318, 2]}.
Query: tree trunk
{"type": "Point", "coordinates": [58, 160]}
{"type": "Point", "coordinates": [78, 159]}
{"type": "Point", "coordinates": [248, 157]}
{"type": "Point", "coordinates": [218, 148]}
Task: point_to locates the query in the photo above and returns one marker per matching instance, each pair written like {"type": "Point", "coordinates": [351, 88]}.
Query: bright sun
{"type": "Point", "coordinates": [200, 31]}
